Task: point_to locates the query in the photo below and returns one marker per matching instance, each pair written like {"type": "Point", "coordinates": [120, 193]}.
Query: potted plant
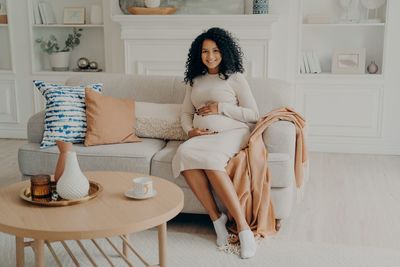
{"type": "Point", "coordinates": [59, 58]}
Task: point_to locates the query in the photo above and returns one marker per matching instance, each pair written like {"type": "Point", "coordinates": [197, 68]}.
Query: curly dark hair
{"type": "Point", "coordinates": [231, 54]}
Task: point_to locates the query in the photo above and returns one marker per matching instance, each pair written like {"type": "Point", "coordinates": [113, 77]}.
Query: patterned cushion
{"type": "Point", "coordinates": [65, 112]}
{"type": "Point", "coordinates": [161, 121]}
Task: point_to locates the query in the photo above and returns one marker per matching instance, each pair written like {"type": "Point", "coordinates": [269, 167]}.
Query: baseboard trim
{"type": "Point", "coordinates": [384, 149]}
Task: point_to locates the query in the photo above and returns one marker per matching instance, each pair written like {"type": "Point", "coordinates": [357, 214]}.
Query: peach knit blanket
{"type": "Point", "coordinates": [250, 175]}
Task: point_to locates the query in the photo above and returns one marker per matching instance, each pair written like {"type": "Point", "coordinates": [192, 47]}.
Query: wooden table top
{"type": "Point", "coordinates": [109, 214]}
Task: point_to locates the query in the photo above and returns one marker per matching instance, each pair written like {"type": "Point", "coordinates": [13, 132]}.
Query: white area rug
{"type": "Point", "coordinates": [199, 250]}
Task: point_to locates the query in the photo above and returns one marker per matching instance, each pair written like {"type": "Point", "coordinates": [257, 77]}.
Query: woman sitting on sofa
{"type": "Point", "coordinates": [216, 113]}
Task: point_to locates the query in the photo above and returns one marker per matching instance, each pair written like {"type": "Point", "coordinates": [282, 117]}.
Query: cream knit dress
{"type": "Point", "coordinates": [236, 109]}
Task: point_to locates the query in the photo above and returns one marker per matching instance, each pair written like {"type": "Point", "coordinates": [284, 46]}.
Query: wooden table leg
{"type": "Point", "coordinates": [124, 246]}
{"type": "Point", "coordinates": [162, 244]}
{"type": "Point", "coordinates": [38, 248]}
{"type": "Point", "coordinates": [20, 251]}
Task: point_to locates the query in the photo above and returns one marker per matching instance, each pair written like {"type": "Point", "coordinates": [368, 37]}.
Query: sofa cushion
{"type": "Point", "coordinates": [131, 157]}
{"type": "Point", "coordinates": [110, 120]}
{"type": "Point", "coordinates": [65, 117]}
{"type": "Point", "coordinates": [161, 121]}
{"type": "Point", "coordinates": [145, 88]}
{"type": "Point", "coordinates": [279, 164]}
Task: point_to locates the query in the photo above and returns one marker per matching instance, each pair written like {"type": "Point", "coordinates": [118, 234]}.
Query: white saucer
{"type": "Point", "coordinates": [131, 194]}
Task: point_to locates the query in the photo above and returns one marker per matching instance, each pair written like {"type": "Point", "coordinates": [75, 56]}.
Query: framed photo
{"type": "Point", "coordinates": [348, 61]}
{"type": "Point", "coordinates": [74, 15]}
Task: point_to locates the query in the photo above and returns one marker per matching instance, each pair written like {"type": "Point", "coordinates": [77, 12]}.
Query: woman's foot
{"type": "Point", "coordinates": [248, 244]}
{"type": "Point", "coordinates": [220, 229]}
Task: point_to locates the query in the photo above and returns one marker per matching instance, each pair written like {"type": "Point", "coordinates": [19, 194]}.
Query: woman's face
{"type": "Point", "coordinates": [211, 56]}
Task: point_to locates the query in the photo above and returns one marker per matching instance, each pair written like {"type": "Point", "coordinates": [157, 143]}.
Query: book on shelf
{"type": "Point", "coordinates": [306, 65]}
{"type": "Point", "coordinates": [302, 66]}
{"type": "Point", "coordinates": [317, 63]}
{"type": "Point", "coordinates": [36, 14]}
{"type": "Point", "coordinates": [41, 12]}
{"type": "Point", "coordinates": [311, 62]}
{"type": "Point", "coordinates": [46, 13]}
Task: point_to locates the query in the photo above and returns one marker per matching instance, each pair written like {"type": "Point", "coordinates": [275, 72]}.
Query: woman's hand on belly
{"type": "Point", "coordinates": [216, 123]}
{"type": "Point", "coordinates": [197, 132]}
{"type": "Point", "coordinates": [208, 109]}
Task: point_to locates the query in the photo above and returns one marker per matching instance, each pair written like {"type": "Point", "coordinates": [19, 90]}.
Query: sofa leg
{"type": "Point", "coordinates": [277, 224]}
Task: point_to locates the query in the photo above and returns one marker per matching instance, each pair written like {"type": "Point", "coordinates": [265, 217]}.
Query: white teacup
{"type": "Point", "coordinates": [152, 3]}
{"type": "Point", "coordinates": [142, 186]}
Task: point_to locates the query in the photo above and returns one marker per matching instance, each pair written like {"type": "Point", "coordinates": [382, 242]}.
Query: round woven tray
{"type": "Point", "coordinates": [94, 190]}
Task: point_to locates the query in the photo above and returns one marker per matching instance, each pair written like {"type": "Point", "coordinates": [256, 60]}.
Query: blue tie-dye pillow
{"type": "Point", "coordinates": [65, 112]}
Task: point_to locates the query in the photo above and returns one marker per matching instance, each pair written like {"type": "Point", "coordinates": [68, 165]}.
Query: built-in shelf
{"type": "Point", "coordinates": [49, 72]}
{"type": "Point", "coordinates": [337, 34]}
{"type": "Point", "coordinates": [329, 76]}
{"type": "Point", "coordinates": [68, 25]}
{"type": "Point", "coordinates": [343, 24]}
{"type": "Point", "coordinates": [6, 65]}
{"type": "Point", "coordinates": [92, 42]}
{"type": "Point", "coordinates": [346, 106]}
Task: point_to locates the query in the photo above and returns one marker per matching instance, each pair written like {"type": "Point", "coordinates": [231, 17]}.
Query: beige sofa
{"type": "Point", "coordinates": [153, 156]}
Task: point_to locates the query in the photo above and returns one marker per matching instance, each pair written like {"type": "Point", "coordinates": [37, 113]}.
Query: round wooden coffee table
{"type": "Point", "coordinates": [109, 214]}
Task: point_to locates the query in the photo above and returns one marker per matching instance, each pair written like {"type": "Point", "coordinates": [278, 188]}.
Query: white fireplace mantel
{"type": "Point", "coordinates": [158, 44]}
{"type": "Point", "coordinates": [255, 27]}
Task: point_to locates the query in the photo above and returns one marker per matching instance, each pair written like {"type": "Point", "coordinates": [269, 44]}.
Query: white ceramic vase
{"type": "Point", "coordinates": [152, 3]}
{"type": "Point", "coordinates": [72, 183]}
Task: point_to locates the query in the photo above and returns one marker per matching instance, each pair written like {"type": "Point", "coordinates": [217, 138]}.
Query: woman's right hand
{"type": "Point", "coordinates": [197, 132]}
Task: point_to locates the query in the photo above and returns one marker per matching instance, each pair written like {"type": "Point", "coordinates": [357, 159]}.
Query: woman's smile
{"type": "Point", "coordinates": [211, 56]}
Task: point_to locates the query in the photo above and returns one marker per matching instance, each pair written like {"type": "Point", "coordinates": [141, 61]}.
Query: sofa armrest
{"type": "Point", "coordinates": [36, 127]}
{"type": "Point", "coordinates": [280, 137]}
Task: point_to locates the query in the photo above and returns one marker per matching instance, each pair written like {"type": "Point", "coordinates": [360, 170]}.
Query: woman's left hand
{"type": "Point", "coordinates": [209, 109]}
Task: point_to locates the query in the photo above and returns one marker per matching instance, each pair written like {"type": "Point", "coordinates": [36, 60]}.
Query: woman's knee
{"type": "Point", "coordinates": [186, 174]}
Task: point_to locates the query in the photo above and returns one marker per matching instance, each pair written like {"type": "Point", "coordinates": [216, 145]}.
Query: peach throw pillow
{"type": "Point", "coordinates": [109, 120]}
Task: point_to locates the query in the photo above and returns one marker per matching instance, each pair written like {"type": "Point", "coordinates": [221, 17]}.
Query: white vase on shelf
{"type": "Point", "coordinates": [372, 5]}
{"type": "Point", "coordinates": [352, 11]}
{"type": "Point", "coordinates": [152, 3]}
{"type": "Point", "coordinates": [72, 184]}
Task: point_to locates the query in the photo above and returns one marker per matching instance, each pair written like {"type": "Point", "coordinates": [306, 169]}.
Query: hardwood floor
{"type": "Point", "coordinates": [350, 199]}
{"type": "Point", "coordinates": [9, 171]}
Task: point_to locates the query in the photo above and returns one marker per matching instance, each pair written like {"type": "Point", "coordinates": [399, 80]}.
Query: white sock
{"type": "Point", "coordinates": [248, 244]}
{"type": "Point", "coordinates": [220, 229]}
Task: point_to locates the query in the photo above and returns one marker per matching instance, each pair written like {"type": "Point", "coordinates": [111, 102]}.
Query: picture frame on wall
{"type": "Point", "coordinates": [348, 61]}
{"type": "Point", "coordinates": [74, 15]}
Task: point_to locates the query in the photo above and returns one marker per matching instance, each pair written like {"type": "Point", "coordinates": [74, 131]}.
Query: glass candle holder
{"type": "Point", "coordinates": [40, 187]}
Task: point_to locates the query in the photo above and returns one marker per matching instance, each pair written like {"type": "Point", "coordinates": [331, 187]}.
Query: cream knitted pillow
{"type": "Point", "coordinates": [161, 121]}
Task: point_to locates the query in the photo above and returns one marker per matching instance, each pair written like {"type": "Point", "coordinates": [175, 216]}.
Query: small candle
{"type": "Point", "coordinates": [40, 187]}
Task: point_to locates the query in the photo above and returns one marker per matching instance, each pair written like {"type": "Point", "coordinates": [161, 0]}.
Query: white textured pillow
{"type": "Point", "coordinates": [159, 121]}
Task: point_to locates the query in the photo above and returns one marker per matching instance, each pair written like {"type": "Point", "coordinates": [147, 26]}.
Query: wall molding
{"type": "Point", "coordinates": [13, 133]}
{"type": "Point", "coordinates": [341, 110]}
{"type": "Point", "coordinates": [8, 102]}
{"type": "Point", "coordinates": [345, 147]}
